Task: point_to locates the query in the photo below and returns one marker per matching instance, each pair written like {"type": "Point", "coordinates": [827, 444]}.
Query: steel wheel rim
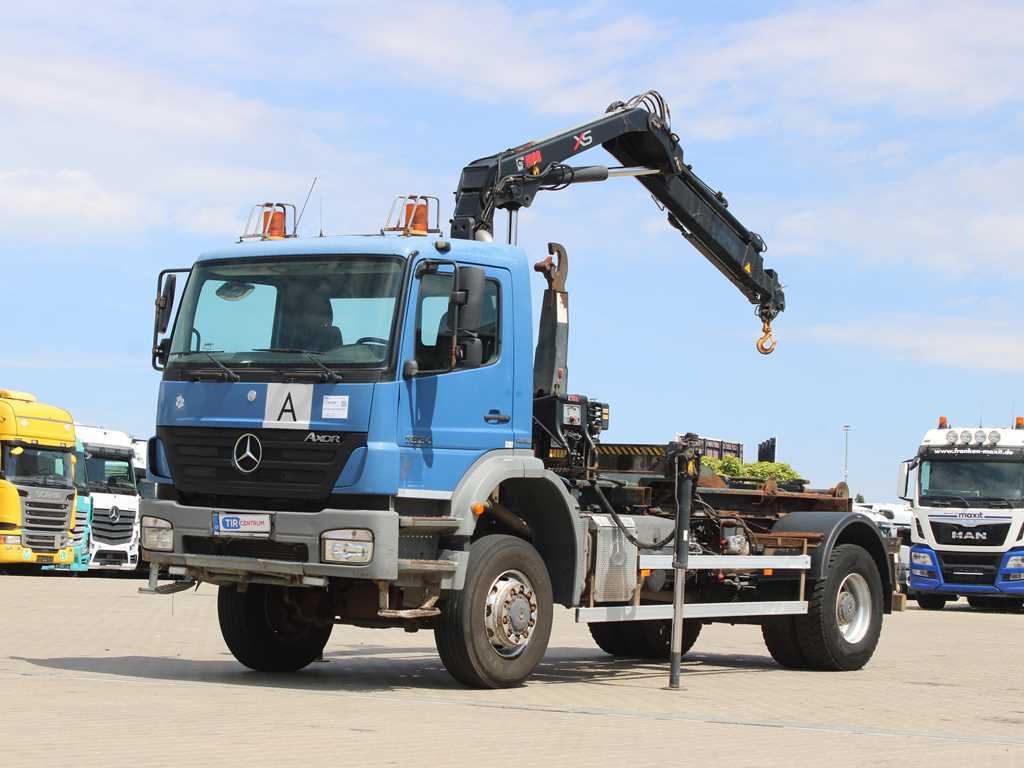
{"type": "Point", "coordinates": [510, 613]}
{"type": "Point", "coordinates": [853, 608]}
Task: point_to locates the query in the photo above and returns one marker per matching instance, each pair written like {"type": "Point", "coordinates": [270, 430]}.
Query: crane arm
{"type": "Point", "coordinates": [638, 134]}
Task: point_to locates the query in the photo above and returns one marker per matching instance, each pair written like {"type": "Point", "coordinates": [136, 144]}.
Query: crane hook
{"type": "Point", "coordinates": [766, 344]}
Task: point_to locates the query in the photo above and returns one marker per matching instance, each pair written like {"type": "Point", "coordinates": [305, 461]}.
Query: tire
{"type": "Point", "coordinates": [780, 638]}
{"type": "Point", "coordinates": [643, 639]}
{"type": "Point", "coordinates": [612, 637]}
{"type": "Point", "coordinates": [263, 634]}
{"type": "Point", "coordinates": [826, 644]}
{"type": "Point", "coordinates": [980, 603]}
{"type": "Point", "coordinates": [505, 579]}
{"type": "Point", "coordinates": [931, 602]}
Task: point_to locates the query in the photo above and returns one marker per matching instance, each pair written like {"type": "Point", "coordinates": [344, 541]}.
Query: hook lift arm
{"type": "Point", "coordinates": [639, 135]}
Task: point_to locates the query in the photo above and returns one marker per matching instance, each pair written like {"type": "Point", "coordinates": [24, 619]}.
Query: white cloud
{"type": "Point", "coordinates": [795, 70]}
{"type": "Point", "coordinates": [952, 342]}
{"type": "Point", "coordinates": [958, 216]}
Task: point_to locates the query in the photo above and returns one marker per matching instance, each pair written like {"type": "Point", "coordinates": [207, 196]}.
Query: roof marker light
{"type": "Point", "coordinates": [943, 422]}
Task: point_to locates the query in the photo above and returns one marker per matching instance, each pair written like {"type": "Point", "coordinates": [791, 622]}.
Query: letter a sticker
{"type": "Point", "coordinates": [288, 406]}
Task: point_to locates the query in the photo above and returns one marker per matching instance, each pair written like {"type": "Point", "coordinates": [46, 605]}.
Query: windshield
{"type": "Point", "coordinates": [337, 310]}
{"type": "Point", "coordinates": [109, 474]}
{"type": "Point", "coordinates": [50, 468]}
{"type": "Point", "coordinates": [972, 483]}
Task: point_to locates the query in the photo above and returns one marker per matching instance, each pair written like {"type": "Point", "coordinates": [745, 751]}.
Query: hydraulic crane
{"type": "Point", "coordinates": [638, 134]}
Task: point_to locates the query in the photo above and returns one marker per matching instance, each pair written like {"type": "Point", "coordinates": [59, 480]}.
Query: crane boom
{"type": "Point", "coordinates": [639, 135]}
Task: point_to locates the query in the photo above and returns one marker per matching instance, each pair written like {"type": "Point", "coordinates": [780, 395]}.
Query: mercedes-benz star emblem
{"type": "Point", "coordinates": [114, 514]}
{"type": "Point", "coordinates": [248, 453]}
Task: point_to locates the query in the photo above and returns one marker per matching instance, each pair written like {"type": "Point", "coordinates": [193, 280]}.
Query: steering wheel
{"type": "Point", "coordinates": [372, 340]}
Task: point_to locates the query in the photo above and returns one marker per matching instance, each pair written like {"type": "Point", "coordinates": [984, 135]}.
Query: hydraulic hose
{"type": "Point", "coordinates": [622, 526]}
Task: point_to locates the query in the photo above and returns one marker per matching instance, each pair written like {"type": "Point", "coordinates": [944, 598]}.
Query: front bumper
{"type": "Point", "coordinates": [302, 528]}
{"type": "Point", "coordinates": [1003, 583]}
{"type": "Point", "coordinates": [15, 553]}
{"type": "Point", "coordinates": [114, 557]}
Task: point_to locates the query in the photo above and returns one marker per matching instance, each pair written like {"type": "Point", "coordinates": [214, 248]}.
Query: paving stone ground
{"type": "Point", "coordinates": [92, 673]}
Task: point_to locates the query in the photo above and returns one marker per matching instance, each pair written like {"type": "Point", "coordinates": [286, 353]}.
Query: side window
{"type": "Point", "coordinates": [434, 334]}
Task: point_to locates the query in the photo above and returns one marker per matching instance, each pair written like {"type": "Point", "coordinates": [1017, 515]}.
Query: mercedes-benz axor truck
{"type": "Point", "coordinates": [360, 430]}
{"type": "Point", "coordinates": [114, 533]}
{"type": "Point", "coordinates": [968, 504]}
{"type": "Point", "coordinates": [37, 494]}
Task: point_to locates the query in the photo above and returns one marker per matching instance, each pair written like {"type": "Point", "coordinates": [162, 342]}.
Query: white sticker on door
{"type": "Point", "coordinates": [288, 406]}
{"type": "Point", "coordinates": [335, 407]}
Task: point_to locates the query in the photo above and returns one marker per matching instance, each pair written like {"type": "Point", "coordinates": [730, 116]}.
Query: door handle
{"type": "Point", "coordinates": [495, 417]}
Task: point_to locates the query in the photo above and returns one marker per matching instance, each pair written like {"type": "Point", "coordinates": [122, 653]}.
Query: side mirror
{"type": "Point", "coordinates": [903, 483]}
{"type": "Point", "coordinates": [467, 299]}
{"type": "Point", "coordinates": [165, 302]}
{"type": "Point", "coordinates": [162, 351]}
{"type": "Point", "coordinates": [471, 353]}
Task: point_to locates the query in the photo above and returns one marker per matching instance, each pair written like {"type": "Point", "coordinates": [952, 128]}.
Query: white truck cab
{"type": "Point", "coordinates": [968, 504]}
{"type": "Point", "coordinates": [114, 543]}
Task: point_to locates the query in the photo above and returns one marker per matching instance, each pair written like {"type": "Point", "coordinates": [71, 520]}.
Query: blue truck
{"type": "Point", "coordinates": [359, 430]}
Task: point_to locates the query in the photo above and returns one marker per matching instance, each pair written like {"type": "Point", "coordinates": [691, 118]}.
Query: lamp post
{"type": "Point", "coordinates": [846, 453]}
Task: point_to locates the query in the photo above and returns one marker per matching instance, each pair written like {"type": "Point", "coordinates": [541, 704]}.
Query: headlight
{"type": "Point", "coordinates": [1017, 561]}
{"type": "Point", "coordinates": [12, 540]}
{"type": "Point", "coordinates": [157, 534]}
{"type": "Point", "coordinates": [349, 546]}
{"type": "Point", "coordinates": [951, 436]}
{"type": "Point", "coordinates": [979, 436]}
{"type": "Point", "coordinates": [994, 437]}
{"type": "Point", "coordinates": [965, 436]}
{"type": "Point", "coordinates": [924, 574]}
{"type": "Point", "coordinates": [920, 558]}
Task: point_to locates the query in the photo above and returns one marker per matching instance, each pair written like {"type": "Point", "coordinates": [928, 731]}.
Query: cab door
{"type": "Point", "coordinates": [450, 417]}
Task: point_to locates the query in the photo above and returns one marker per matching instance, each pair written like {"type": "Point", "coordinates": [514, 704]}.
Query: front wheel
{"type": "Point", "coordinates": [844, 615]}
{"type": "Point", "coordinates": [931, 602]}
{"type": "Point", "coordinates": [494, 632]}
{"type": "Point", "coordinates": [264, 632]}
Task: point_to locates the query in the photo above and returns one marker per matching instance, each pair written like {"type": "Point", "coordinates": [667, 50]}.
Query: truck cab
{"type": "Point", "coordinates": [968, 505]}
{"type": "Point", "coordinates": [114, 533]}
{"type": "Point", "coordinates": [37, 494]}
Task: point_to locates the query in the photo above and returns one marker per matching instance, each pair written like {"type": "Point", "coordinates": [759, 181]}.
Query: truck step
{"type": "Point", "coordinates": [408, 613]}
{"type": "Point", "coordinates": [427, 566]}
{"type": "Point", "coordinates": [429, 524]}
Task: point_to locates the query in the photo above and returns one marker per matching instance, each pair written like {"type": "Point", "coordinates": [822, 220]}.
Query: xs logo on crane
{"type": "Point", "coordinates": [583, 141]}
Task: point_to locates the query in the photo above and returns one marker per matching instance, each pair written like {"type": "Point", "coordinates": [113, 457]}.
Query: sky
{"type": "Point", "coordinates": [876, 146]}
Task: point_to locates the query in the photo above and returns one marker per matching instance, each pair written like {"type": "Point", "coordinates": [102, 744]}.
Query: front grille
{"type": "Point", "coordinates": [290, 468]}
{"type": "Point", "coordinates": [992, 535]}
{"type": "Point", "coordinates": [969, 567]}
{"type": "Point", "coordinates": [263, 549]}
{"type": "Point", "coordinates": [46, 523]}
{"type": "Point", "coordinates": [114, 532]}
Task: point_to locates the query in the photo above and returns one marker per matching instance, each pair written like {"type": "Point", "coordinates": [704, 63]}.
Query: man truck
{"type": "Point", "coordinates": [37, 494]}
{"type": "Point", "coordinates": [968, 504]}
{"type": "Point", "coordinates": [114, 533]}
{"type": "Point", "coordinates": [358, 430]}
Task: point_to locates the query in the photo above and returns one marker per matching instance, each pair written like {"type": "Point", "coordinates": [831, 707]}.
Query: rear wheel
{"type": "Point", "coordinates": [780, 637]}
{"type": "Point", "coordinates": [931, 602]}
{"type": "Point", "coordinates": [844, 614]}
{"type": "Point", "coordinates": [494, 632]}
{"type": "Point", "coordinates": [642, 639]}
{"type": "Point", "coordinates": [264, 632]}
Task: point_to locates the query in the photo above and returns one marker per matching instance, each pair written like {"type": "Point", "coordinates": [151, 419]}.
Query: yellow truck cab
{"type": "Point", "coordinates": [37, 494]}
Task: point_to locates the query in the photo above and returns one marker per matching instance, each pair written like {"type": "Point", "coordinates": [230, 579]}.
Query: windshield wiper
{"type": "Point", "coordinates": [328, 373]}
{"type": "Point", "coordinates": [996, 501]}
{"type": "Point", "coordinates": [943, 501]}
{"type": "Point", "coordinates": [225, 372]}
